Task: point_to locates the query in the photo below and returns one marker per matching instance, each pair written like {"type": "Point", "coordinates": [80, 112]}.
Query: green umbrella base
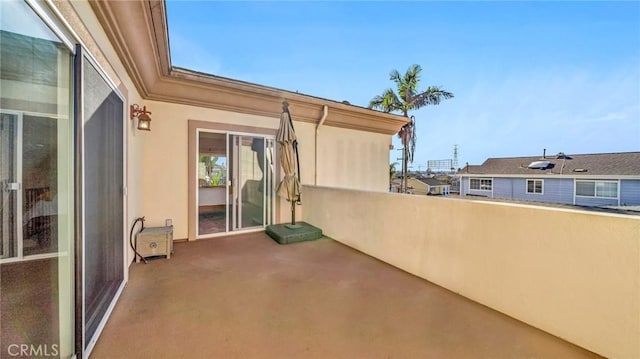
{"type": "Point", "coordinates": [286, 233]}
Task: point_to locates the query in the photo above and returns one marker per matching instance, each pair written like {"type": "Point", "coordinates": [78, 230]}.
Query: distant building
{"type": "Point", "coordinates": [603, 179]}
{"type": "Point", "coordinates": [422, 186]}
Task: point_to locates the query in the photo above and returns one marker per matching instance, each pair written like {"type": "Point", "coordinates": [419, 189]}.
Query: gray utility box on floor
{"type": "Point", "coordinates": [155, 241]}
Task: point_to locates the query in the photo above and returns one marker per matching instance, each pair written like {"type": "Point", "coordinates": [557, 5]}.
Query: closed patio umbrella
{"type": "Point", "coordinates": [289, 188]}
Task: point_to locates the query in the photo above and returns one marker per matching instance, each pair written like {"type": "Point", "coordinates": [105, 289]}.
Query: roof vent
{"type": "Point", "coordinates": [539, 165]}
{"type": "Point", "coordinates": [579, 170]}
{"type": "Point", "coordinates": [562, 156]}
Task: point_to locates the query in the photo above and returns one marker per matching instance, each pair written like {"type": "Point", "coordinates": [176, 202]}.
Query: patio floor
{"type": "Point", "coordinates": [248, 297]}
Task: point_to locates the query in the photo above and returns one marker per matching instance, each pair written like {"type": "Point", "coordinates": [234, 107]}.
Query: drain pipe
{"type": "Point", "coordinates": [325, 113]}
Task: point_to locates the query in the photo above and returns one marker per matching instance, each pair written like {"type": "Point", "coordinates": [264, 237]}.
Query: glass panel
{"type": "Point", "coordinates": [36, 218]}
{"type": "Point", "coordinates": [534, 186]}
{"type": "Point", "coordinates": [212, 183]}
{"type": "Point", "coordinates": [40, 185]}
{"type": "Point", "coordinates": [248, 156]}
{"type": "Point", "coordinates": [103, 197]}
{"type": "Point", "coordinates": [232, 151]}
{"type": "Point", "coordinates": [485, 185]}
{"type": "Point", "coordinates": [530, 186]}
{"type": "Point", "coordinates": [585, 188]}
{"type": "Point", "coordinates": [607, 189]}
{"type": "Point", "coordinates": [252, 180]}
{"type": "Point", "coordinates": [8, 185]}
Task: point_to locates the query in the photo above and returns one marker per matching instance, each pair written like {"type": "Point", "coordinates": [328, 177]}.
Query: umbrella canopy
{"type": "Point", "coordinates": [289, 188]}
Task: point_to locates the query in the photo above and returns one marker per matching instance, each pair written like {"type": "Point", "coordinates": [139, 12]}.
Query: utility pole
{"type": "Point", "coordinates": [403, 183]}
{"type": "Point", "coordinates": [454, 165]}
{"type": "Point", "coordinates": [405, 155]}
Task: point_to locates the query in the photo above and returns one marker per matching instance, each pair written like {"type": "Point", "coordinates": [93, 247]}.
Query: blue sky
{"type": "Point", "coordinates": [564, 76]}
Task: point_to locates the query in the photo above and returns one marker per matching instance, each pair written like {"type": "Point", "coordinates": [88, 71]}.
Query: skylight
{"type": "Point", "coordinates": [539, 165]}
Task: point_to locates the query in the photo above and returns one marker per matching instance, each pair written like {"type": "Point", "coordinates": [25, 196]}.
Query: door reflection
{"type": "Point", "coordinates": [40, 182]}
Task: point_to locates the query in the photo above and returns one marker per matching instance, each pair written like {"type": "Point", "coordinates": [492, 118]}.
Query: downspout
{"type": "Point", "coordinates": [325, 113]}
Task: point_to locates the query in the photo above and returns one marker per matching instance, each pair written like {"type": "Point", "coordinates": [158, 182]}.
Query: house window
{"type": "Point", "coordinates": [604, 189]}
{"type": "Point", "coordinates": [535, 186]}
{"type": "Point", "coordinates": [607, 189]}
{"type": "Point", "coordinates": [481, 184]}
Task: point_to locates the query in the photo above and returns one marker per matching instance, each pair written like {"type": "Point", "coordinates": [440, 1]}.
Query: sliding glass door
{"type": "Point", "coordinates": [61, 213]}
{"type": "Point", "coordinates": [235, 182]}
{"type": "Point", "coordinates": [36, 186]}
{"type": "Point", "coordinates": [251, 185]}
{"type": "Point", "coordinates": [9, 194]}
{"type": "Point", "coordinates": [103, 253]}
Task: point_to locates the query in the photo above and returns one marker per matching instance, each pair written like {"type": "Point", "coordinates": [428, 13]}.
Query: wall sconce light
{"type": "Point", "coordinates": [144, 121]}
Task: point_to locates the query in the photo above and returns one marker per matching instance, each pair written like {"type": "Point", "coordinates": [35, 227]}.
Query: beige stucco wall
{"type": "Point", "coordinates": [574, 274]}
{"type": "Point", "coordinates": [353, 159]}
{"type": "Point", "coordinates": [165, 166]}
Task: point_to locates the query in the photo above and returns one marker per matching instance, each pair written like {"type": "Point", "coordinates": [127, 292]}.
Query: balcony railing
{"type": "Point", "coordinates": [574, 274]}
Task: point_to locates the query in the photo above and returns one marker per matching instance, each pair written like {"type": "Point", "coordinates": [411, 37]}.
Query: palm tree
{"type": "Point", "coordinates": [407, 98]}
{"type": "Point", "coordinates": [392, 174]}
{"type": "Point", "coordinates": [392, 170]}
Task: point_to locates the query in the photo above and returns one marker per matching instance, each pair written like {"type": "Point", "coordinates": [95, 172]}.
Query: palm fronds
{"type": "Point", "coordinates": [387, 102]}
{"type": "Point", "coordinates": [406, 98]}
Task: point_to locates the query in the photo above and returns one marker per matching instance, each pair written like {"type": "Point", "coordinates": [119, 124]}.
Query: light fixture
{"type": "Point", "coordinates": [144, 121]}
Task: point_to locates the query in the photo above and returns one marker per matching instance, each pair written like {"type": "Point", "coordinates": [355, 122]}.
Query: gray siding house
{"type": "Point", "coordinates": [602, 179]}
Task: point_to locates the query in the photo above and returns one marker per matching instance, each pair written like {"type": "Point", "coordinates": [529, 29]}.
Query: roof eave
{"type": "Point", "coordinates": [143, 48]}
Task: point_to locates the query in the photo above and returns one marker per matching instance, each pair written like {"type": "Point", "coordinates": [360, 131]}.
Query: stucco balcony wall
{"type": "Point", "coordinates": [574, 274]}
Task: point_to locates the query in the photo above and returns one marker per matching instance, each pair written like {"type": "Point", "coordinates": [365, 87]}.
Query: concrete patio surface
{"type": "Point", "coordinates": [248, 297]}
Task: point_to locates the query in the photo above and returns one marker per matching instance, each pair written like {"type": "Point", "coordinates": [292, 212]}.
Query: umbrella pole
{"type": "Point", "coordinates": [293, 213]}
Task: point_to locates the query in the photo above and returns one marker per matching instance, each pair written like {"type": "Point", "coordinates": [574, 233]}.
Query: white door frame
{"type": "Point", "coordinates": [234, 219]}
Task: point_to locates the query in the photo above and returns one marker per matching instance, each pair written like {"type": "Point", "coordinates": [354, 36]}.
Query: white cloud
{"type": "Point", "coordinates": [610, 117]}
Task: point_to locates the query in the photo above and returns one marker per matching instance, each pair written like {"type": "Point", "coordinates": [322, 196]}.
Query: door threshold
{"type": "Point", "coordinates": [226, 234]}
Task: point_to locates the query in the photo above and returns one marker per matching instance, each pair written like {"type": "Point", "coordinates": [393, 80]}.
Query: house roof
{"type": "Point", "coordinates": [143, 47]}
{"type": "Point", "coordinates": [605, 164]}
{"type": "Point", "coordinates": [431, 181]}
{"type": "Point", "coordinates": [426, 180]}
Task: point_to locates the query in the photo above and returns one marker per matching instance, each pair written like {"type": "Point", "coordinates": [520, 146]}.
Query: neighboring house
{"type": "Point", "coordinates": [422, 185]}
{"type": "Point", "coordinates": [427, 186]}
{"type": "Point", "coordinates": [602, 179]}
